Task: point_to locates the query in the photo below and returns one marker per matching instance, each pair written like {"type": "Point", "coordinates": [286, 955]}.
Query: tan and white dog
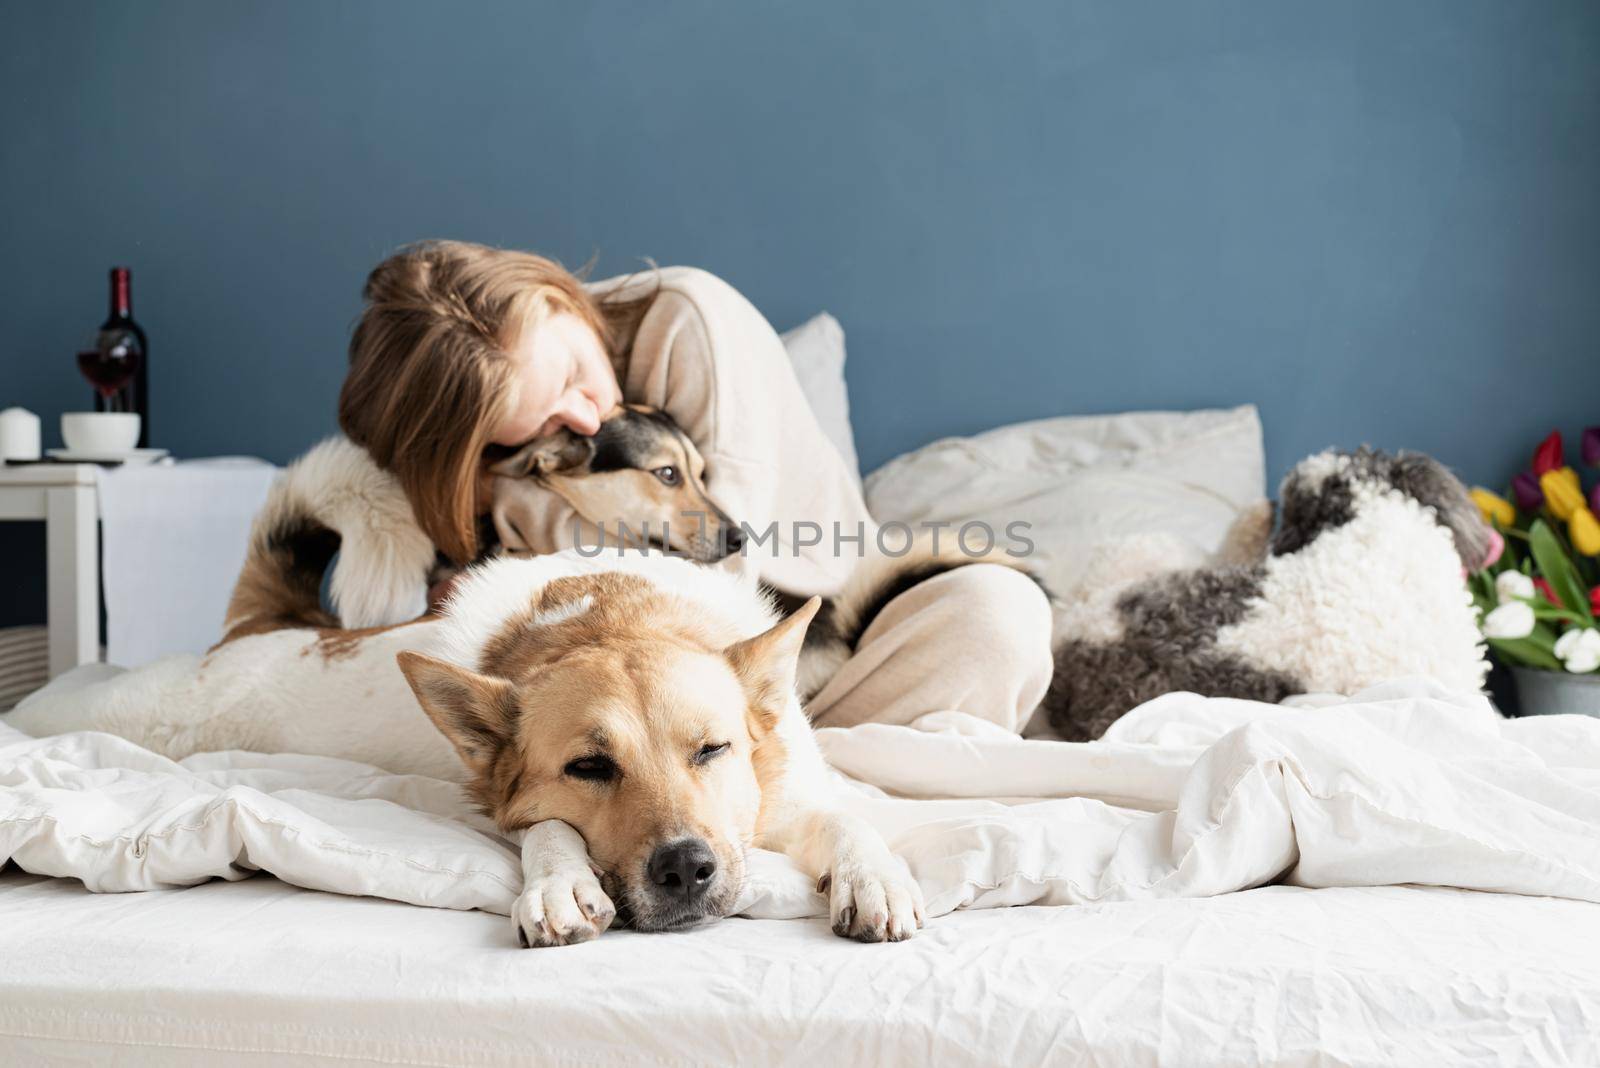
{"type": "Point", "coordinates": [632, 719]}
{"type": "Point", "coordinates": [637, 722]}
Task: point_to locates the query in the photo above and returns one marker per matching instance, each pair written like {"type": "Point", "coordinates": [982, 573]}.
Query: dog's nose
{"type": "Point", "coordinates": [732, 539]}
{"type": "Point", "coordinates": [683, 869]}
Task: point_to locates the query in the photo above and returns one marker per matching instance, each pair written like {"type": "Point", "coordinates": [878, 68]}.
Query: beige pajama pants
{"type": "Point", "coordinates": [975, 640]}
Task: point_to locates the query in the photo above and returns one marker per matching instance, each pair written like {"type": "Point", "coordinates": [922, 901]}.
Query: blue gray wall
{"type": "Point", "coordinates": [1378, 220]}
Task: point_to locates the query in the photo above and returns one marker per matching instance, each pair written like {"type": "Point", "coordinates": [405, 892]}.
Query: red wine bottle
{"type": "Point", "coordinates": [121, 338]}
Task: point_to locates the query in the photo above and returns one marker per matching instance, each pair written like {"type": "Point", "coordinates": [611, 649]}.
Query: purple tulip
{"type": "Point", "coordinates": [1594, 500]}
{"type": "Point", "coordinates": [1525, 488]}
{"type": "Point", "coordinates": [1590, 446]}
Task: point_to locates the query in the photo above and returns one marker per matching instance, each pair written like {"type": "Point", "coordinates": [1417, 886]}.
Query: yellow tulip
{"type": "Point", "coordinates": [1562, 491]}
{"type": "Point", "coordinates": [1497, 511]}
{"type": "Point", "coordinates": [1584, 530]}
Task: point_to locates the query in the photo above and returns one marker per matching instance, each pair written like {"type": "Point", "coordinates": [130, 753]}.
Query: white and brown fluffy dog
{"type": "Point", "coordinates": [633, 720]}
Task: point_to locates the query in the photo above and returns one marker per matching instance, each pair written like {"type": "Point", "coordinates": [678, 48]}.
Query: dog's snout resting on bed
{"type": "Point", "coordinates": [600, 710]}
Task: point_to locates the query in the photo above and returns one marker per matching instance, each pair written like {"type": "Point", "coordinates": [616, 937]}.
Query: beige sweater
{"type": "Point", "coordinates": [703, 354]}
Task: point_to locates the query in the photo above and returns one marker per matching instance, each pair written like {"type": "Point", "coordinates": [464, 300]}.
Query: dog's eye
{"type": "Point", "coordinates": [709, 753]}
{"type": "Point", "coordinates": [591, 769]}
{"type": "Point", "coordinates": [668, 475]}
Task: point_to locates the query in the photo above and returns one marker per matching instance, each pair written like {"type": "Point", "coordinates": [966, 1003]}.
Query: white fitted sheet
{"type": "Point", "coordinates": [261, 972]}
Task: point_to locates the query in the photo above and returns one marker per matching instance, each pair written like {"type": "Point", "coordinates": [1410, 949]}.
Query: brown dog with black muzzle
{"type": "Point", "coordinates": [639, 479]}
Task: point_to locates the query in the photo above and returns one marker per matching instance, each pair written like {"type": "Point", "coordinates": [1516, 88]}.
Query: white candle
{"type": "Point", "coordinates": [19, 434]}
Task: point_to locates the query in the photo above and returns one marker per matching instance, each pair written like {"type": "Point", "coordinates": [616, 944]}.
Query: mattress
{"type": "Point", "coordinates": [261, 972]}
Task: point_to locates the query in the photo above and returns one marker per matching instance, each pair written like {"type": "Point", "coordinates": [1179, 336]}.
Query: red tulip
{"type": "Point", "coordinates": [1549, 594]}
{"type": "Point", "coordinates": [1594, 600]}
{"type": "Point", "coordinates": [1549, 455]}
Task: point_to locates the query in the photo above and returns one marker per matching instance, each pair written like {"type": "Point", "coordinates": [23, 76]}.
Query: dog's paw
{"type": "Point", "coordinates": [562, 908]}
{"type": "Point", "coordinates": [873, 903]}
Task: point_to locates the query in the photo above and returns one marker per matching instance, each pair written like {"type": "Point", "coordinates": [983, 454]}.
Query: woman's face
{"type": "Point", "coordinates": [561, 378]}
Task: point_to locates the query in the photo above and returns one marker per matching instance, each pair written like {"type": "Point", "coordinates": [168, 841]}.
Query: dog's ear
{"type": "Point", "coordinates": [1431, 483]}
{"type": "Point", "coordinates": [476, 713]}
{"type": "Point", "coordinates": [766, 664]}
{"type": "Point", "coordinates": [561, 451]}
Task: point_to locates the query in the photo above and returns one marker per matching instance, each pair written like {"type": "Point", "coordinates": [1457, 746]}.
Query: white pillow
{"type": "Point", "coordinates": [816, 348]}
{"type": "Point", "coordinates": [1083, 481]}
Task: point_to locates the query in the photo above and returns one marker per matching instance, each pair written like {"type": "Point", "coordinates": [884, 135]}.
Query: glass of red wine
{"type": "Point", "coordinates": [108, 370]}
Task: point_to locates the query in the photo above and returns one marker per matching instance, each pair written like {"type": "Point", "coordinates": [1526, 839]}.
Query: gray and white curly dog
{"type": "Point", "coordinates": [1360, 583]}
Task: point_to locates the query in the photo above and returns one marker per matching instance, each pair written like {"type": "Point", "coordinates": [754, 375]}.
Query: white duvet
{"type": "Point", "coordinates": [1186, 797]}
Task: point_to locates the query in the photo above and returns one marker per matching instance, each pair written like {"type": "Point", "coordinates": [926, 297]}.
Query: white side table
{"type": "Point", "coordinates": [64, 496]}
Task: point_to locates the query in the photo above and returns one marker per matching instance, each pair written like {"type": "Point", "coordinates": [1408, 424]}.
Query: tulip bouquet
{"type": "Point", "coordinates": [1540, 598]}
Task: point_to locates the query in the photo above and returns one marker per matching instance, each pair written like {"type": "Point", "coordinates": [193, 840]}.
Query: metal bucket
{"type": "Point", "coordinates": [1553, 693]}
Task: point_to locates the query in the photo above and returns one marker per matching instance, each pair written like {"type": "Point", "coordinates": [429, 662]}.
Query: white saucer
{"type": "Point", "coordinates": [133, 457]}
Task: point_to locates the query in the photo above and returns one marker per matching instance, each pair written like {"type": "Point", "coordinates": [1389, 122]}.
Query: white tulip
{"type": "Point", "coordinates": [1579, 650]}
{"type": "Point", "coordinates": [1512, 586]}
{"type": "Point", "coordinates": [1584, 660]}
{"type": "Point", "coordinates": [1514, 619]}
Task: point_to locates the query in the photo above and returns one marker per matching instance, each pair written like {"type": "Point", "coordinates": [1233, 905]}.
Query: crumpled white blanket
{"type": "Point", "coordinates": [1185, 797]}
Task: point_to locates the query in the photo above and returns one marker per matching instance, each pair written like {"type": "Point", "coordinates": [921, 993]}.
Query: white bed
{"type": "Point", "coordinates": [263, 972]}
{"type": "Point", "coordinates": [1125, 947]}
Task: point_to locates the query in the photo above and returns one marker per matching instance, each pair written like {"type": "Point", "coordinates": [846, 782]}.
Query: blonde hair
{"type": "Point", "coordinates": [429, 373]}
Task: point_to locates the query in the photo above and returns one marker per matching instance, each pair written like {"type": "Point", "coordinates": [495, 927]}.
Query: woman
{"type": "Point", "coordinates": [463, 351]}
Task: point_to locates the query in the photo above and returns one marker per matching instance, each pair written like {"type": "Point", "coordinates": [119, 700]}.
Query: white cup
{"type": "Point", "coordinates": [100, 433]}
